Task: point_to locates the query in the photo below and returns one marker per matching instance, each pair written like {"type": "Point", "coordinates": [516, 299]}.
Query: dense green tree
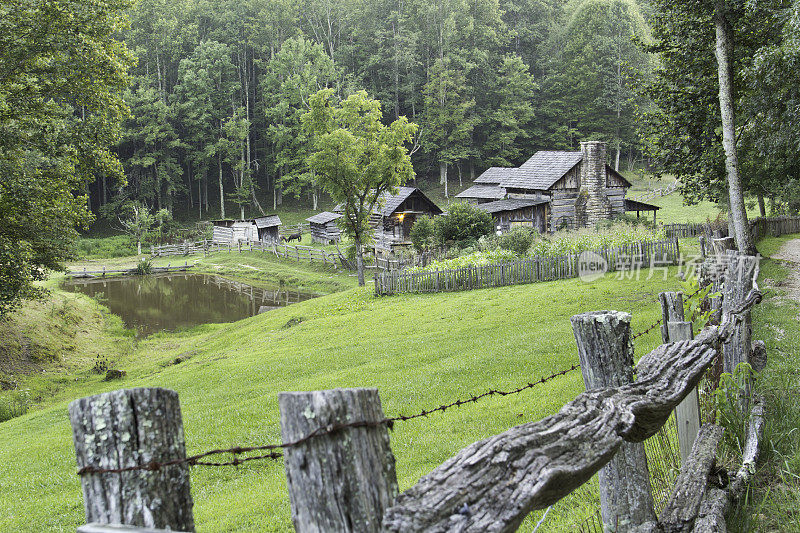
{"type": "Point", "coordinates": [463, 223]}
{"type": "Point", "coordinates": [57, 123]}
{"type": "Point", "coordinates": [299, 70]}
{"type": "Point", "coordinates": [357, 158]}
{"type": "Point", "coordinates": [206, 96]}
{"type": "Point", "coordinates": [598, 66]}
{"type": "Point", "coordinates": [705, 48]}
{"type": "Point", "coordinates": [448, 118]}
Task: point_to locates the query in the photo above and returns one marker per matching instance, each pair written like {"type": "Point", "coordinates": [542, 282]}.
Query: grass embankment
{"type": "Point", "coordinates": [49, 345]}
{"type": "Point", "coordinates": [418, 350]}
{"type": "Point", "coordinates": [773, 501]}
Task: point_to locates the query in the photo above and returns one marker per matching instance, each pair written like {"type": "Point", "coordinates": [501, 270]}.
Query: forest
{"type": "Point", "coordinates": [218, 87]}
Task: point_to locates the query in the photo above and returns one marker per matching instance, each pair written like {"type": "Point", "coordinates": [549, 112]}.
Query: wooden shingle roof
{"type": "Point", "coordinates": [323, 217]}
{"type": "Point", "coordinates": [489, 192]}
{"type": "Point", "coordinates": [542, 171]}
{"type": "Point", "coordinates": [511, 204]}
{"type": "Point", "coordinates": [388, 203]}
{"type": "Point", "coordinates": [267, 221]}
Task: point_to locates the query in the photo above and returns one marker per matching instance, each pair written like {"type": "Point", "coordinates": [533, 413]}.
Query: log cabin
{"type": "Point", "coordinates": [561, 190]}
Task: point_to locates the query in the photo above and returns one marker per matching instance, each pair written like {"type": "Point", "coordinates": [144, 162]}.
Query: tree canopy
{"type": "Point", "coordinates": [58, 124]}
{"type": "Point", "coordinates": [358, 159]}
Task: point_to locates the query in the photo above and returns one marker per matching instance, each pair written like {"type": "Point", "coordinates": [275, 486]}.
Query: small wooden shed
{"type": "Point", "coordinates": [324, 227]}
{"type": "Point", "coordinates": [268, 228]}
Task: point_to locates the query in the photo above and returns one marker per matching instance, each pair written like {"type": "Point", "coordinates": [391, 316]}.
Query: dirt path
{"type": "Point", "coordinates": [790, 252]}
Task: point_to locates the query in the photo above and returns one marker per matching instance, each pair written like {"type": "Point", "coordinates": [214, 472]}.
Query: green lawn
{"type": "Point", "coordinates": [418, 350]}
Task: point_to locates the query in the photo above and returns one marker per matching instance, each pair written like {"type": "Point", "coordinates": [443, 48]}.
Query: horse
{"type": "Point", "coordinates": [294, 237]}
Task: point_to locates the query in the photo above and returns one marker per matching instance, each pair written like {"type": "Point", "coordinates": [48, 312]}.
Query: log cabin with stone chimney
{"type": "Point", "coordinates": [554, 190]}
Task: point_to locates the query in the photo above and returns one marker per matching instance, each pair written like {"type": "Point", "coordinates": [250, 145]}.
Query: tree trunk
{"type": "Point", "coordinates": [724, 48]}
{"type": "Point", "coordinates": [221, 190]}
{"type": "Point", "coordinates": [359, 260]}
{"type": "Point", "coordinates": [138, 246]}
{"type": "Point", "coordinates": [762, 208]}
{"type": "Point", "coordinates": [443, 176]}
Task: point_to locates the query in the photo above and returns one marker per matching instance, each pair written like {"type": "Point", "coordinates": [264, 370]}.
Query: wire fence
{"type": "Point", "coordinates": [238, 451]}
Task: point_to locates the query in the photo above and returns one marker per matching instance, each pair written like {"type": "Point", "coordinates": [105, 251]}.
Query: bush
{"type": "Point", "coordinates": [518, 240]}
{"type": "Point", "coordinates": [422, 233]}
{"type": "Point", "coordinates": [463, 223]}
{"type": "Point", "coordinates": [144, 267]}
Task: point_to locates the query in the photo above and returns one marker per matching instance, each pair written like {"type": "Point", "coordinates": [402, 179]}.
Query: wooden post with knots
{"type": "Point", "coordinates": [606, 354]}
{"type": "Point", "coordinates": [126, 428]}
{"type": "Point", "coordinates": [342, 480]}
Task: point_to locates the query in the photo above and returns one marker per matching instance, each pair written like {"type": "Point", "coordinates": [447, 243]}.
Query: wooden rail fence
{"type": "Point", "coordinates": [341, 471]}
{"type": "Point", "coordinates": [655, 193]}
{"type": "Point", "coordinates": [618, 258]}
{"type": "Point", "coordinates": [125, 271]}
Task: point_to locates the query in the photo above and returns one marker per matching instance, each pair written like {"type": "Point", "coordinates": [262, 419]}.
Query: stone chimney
{"type": "Point", "coordinates": [593, 182]}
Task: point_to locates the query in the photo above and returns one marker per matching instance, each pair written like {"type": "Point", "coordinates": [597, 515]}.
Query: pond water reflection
{"type": "Point", "coordinates": [171, 302]}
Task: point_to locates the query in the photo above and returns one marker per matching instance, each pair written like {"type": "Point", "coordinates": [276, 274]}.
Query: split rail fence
{"type": "Point", "coordinates": [125, 271]}
{"type": "Point", "coordinates": [618, 258]}
{"type": "Point", "coordinates": [298, 253]}
{"type": "Point", "coordinates": [655, 193]}
{"type": "Point", "coordinates": [340, 468]}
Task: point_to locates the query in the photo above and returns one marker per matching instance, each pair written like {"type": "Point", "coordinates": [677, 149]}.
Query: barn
{"type": "Point", "coordinates": [571, 189]}
{"type": "Point", "coordinates": [324, 227]}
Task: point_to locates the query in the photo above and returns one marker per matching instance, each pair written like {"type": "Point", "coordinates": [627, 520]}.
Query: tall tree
{"type": "Point", "coordinates": [357, 158]}
{"type": "Point", "coordinates": [704, 50]}
{"type": "Point", "coordinates": [448, 118]}
{"type": "Point", "coordinates": [206, 94]}
{"type": "Point", "coordinates": [300, 69]}
{"type": "Point", "coordinates": [57, 123]}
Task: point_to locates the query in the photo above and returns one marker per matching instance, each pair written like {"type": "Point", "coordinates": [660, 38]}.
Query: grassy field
{"type": "Point", "coordinates": [418, 350]}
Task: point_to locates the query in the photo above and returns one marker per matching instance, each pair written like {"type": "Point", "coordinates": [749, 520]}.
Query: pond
{"type": "Point", "coordinates": [172, 302]}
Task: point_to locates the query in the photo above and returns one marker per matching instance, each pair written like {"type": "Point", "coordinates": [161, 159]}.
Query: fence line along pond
{"type": "Point", "coordinates": [172, 302]}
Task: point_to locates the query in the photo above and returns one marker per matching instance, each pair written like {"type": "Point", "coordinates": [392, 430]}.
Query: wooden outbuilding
{"type": "Point", "coordinates": [639, 207]}
{"type": "Point", "coordinates": [514, 212]}
{"type": "Point", "coordinates": [268, 228]}
{"type": "Point", "coordinates": [395, 214]}
{"type": "Point", "coordinates": [263, 229]}
{"type": "Point", "coordinates": [325, 228]}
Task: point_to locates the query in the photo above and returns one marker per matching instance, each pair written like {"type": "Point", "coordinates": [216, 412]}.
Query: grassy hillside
{"type": "Point", "coordinates": [418, 350]}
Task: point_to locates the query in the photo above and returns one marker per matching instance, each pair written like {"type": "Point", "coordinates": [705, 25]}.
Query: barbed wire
{"type": "Point", "coordinates": [196, 460]}
{"type": "Point", "coordinates": [660, 321]}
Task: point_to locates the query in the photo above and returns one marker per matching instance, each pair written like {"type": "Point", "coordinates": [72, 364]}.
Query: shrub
{"type": "Point", "coordinates": [422, 233]}
{"type": "Point", "coordinates": [462, 223]}
{"type": "Point", "coordinates": [144, 267]}
{"type": "Point", "coordinates": [518, 240]}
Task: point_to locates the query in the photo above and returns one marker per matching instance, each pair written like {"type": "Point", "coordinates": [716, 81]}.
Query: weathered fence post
{"type": "Point", "coordinates": [341, 481]}
{"type": "Point", "coordinates": [674, 329]}
{"type": "Point", "coordinates": [738, 284]}
{"type": "Point", "coordinates": [127, 428]}
{"type": "Point", "coordinates": [606, 355]}
{"type": "Point", "coordinates": [687, 414]}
